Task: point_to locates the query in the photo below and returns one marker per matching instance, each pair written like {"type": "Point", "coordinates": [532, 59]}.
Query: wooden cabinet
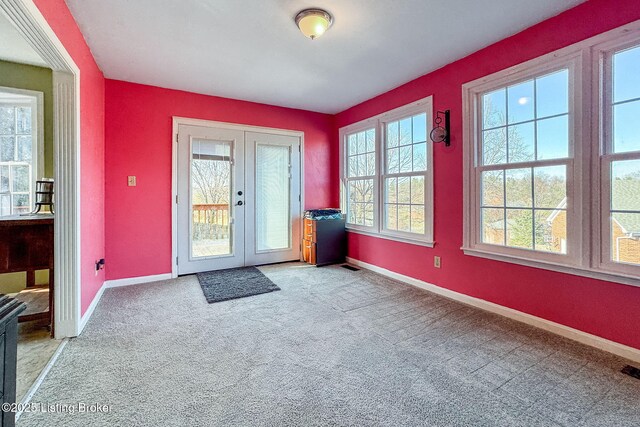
{"type": "Point", "coordinates": [26, 244]}
{"type": "Point", "coordinates": [324, 241]}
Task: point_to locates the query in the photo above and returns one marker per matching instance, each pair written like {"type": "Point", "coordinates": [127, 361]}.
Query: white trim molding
{"type": "Point", "coordinates": [591, 340]}
{"type": "Point", "coordinates": [33, 26]}
{"type": "Point", "coordinates": [136, 280]}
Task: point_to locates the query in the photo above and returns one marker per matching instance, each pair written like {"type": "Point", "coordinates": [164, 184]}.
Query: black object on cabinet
{"type": "Point", "coordinates": [9, 310]}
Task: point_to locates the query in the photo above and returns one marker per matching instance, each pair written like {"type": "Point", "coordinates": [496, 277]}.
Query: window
{"type": "Point", "coordinates": [18, 152]}
{"type": "Point", "coordinates": [552, 160]}
{"type": "Point", "coordinates": [387, 175]}
{"type": "Point", "coordinates": [620, 160]}
{"type": "Point", "coordinates": [524, 155]}
{"type": "Point", "coordinates": [361, 177]}
{"type": "Point", "coordinates": [405, 174]}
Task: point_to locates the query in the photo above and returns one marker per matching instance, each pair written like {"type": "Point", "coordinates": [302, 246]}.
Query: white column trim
{"type": "Point", "coordinates": [28, 20]}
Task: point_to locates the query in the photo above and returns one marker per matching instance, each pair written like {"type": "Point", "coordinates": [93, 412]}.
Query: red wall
{"type": "Point", "coordinates": [605, 309]}
{"type": "Point", "coordinates": [91, 144]}
{"type": "Point", "coordinates": [138, 142]}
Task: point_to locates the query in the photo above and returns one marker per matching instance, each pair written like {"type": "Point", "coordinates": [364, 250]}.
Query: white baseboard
{"type": "Point", "coordinates": [538, 322]}
{"type": "Point", "coordinates": [114, 284]}
{"type": "Point", "coordinates": [87, 314]}
{"type": "Point", "coordinates": [136, 280]}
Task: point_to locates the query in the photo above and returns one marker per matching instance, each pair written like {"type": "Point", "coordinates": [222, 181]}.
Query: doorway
{"type": "Point", "coordinates": [33, 30]}
{"type": "Point", "coordinates": [238, 200]}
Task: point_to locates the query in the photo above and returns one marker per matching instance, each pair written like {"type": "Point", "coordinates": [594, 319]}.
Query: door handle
{"type": "Point", "coordinates": [239, 203]}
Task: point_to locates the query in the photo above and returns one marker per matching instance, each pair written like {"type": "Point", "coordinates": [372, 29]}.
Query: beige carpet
{"type": "Point", "coordinates": [333, 347]}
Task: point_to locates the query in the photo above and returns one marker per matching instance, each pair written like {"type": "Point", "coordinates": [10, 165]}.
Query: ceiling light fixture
{"type": "Point", "coordinates": [313, 22]}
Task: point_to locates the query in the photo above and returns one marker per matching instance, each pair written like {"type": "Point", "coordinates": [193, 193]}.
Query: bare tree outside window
{"type": "Point", "coordinates": [522, 123]}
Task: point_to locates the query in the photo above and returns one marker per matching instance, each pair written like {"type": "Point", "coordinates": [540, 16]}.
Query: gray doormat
{"type": "Point", "coordinates": [223, 285]}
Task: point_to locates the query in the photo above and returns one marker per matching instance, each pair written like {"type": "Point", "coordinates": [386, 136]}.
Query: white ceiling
{"type": "Point", "coordinates": [252, 50]}
{"type": "Point", "coordinates": [14, 48]}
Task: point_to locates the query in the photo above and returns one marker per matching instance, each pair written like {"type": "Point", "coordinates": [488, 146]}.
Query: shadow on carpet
{"type": "Point", "coordinates": [224, 285]}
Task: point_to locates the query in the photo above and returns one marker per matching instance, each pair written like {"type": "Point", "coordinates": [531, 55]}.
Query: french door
{"type": "Point", "coordinates": [238, 198]}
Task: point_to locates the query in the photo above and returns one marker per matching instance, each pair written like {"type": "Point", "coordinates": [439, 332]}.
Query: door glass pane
{"type": "Point", "coordinates": [273, 212]}
{"type": "Point", "coordinates": [210, 196]}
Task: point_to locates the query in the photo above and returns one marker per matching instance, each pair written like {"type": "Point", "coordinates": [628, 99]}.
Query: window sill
{"type": "Point", "coordinates": [394, 238]}
{"type": "Point", "coordinates": [560, 268]}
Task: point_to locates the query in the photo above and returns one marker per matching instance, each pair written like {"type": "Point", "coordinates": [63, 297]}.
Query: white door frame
{"type": "Point", "coordinates": [177, 121]}
{"type": "Point", "coordinates": [28, 20]}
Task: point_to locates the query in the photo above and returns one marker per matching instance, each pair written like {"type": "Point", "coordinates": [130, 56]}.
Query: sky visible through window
{"type": "Point", "coordinates": [525, 207]}
{"type": "Point", "coordinates": [625, 173]}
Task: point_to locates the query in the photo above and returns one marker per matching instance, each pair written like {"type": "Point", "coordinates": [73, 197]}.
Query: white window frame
{"type": "Point", "coordinates": [603, 54]}
{"type": "Point", "coordinates": [379, 122]}
{"type": "Point", "coordinates": [588, 251]}
{"type": "Point", "coordinates": [344, 134]}
{"type": "Point", "coordinates": [36, 101]}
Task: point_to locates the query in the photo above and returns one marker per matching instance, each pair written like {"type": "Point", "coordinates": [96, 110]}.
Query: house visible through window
{"type": "Point", "coordinates": [18, 152]}
{"type": "Point", "coordinates": [525, 150]}
{"type": "Point", "coordinates": [623, 156]}
{"type": "Point", "coordinates": [552, 160]}
{"type": "Point", "coordinates": [387, 174]}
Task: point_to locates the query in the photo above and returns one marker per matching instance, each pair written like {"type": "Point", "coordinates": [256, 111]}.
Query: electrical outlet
{"type": "Point", "coordinates": [436, 261]}
{"type": "Point", "coordinates": [131, 181]}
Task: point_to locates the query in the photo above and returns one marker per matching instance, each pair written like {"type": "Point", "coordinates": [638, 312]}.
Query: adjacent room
{"type": "Point", "coordinates": [278, 212]}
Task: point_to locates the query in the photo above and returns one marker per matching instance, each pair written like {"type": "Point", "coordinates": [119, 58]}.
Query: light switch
{"type": "Point", "coordinates": [131, 180]}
